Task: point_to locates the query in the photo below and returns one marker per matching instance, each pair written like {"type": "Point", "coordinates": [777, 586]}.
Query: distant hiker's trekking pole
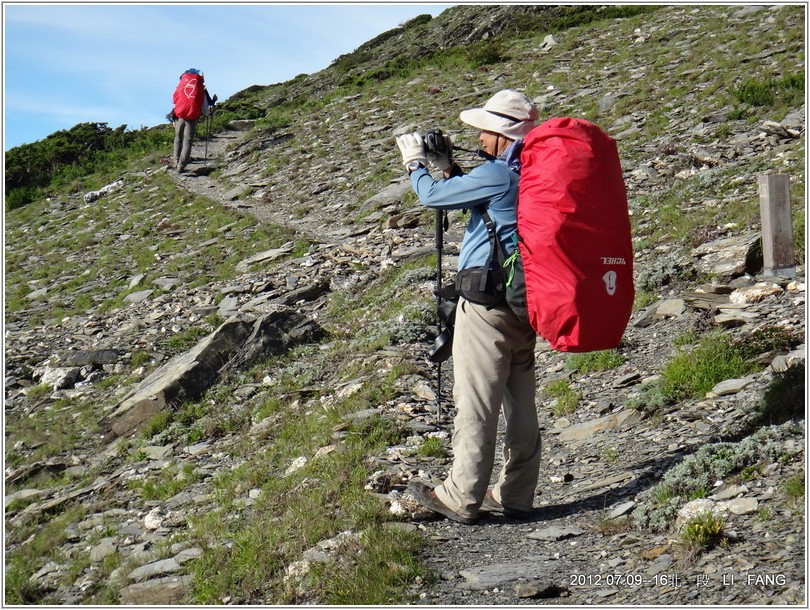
{"type": "Point", "coordinates": [209, 115]}
{"type": "Point", "coordinates": [207, 134]}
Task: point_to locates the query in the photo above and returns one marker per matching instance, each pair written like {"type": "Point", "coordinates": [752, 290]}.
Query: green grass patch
{"type": "Point", "coordinates": [595, 361]}
{"type": "Point", "coordinates": [377, 571]}
{"type": "Point", "coordinates": [650, 398]}
{"type": "Point", "coordinates": [30, 546]}
{"type": "Point", "coordinates": [663, 493]}
{"type": "Point", "coordinates": [795, 488]}
{"type": "Point", "coordinates": [39, 391]}
{"type": "Point", "coordinates": [165, 484]}
{"type": "Point", "coordinates": [787, 90]}
{"type": "Point", "coordinates": [566, 399]}
{"type": "Point", "coordinates": [692, 372]}
{"type": "Point", "coordinates": [298, 509]}
{"type": "Point", "coordinates": [610, 455]}
{"type": "Point", "coordinates": [703, 532]}
{"type": "Point", "coordinates": [432, 447]}
{"type": "Point", "coordinates": [156, 230]}
{"type": "Point", "coordinates": [156, 424]}
{"type": "Point", "coordinates": [643, 299]}
{"type": "Point", "coordinates": [187, 338]}
{"type": "Point", "coordinates": [52, 429]}
{"type": "Point", "coordinates": [700, 363]}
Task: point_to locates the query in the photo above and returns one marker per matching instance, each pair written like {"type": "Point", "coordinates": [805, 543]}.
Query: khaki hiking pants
{"type": "Point", "coordinates": [493, 364]}
{"type": "Point", "coordinates": [183, 139]}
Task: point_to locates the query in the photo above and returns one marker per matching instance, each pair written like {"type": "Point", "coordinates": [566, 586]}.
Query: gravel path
{"type": "Point", "coordinates": [582, 547]}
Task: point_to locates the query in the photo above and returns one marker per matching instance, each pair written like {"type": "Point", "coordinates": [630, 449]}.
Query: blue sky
{"type": "Point", "coordinates": [65, 64]}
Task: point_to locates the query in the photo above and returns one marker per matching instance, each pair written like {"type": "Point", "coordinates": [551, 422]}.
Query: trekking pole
{"type": "Point", "coordinates": [207, 134]}
{"type": "Point", "coordinates": [210, 115]}
{"type": "Point", "coordinates": [439, 248]}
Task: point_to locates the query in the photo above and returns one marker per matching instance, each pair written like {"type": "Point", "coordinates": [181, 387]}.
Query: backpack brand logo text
{"type": "Point", "coordinates": [191, 88]}
{"type": "Point", "coordinates": [607, 260]}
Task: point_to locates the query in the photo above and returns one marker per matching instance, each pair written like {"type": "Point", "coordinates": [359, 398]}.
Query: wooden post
{"type": "Point", "coordinates": [777, 231]}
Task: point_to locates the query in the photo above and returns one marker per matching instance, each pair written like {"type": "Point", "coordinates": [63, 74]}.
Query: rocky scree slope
{"type": "Point", "coordinates": [333, 180]}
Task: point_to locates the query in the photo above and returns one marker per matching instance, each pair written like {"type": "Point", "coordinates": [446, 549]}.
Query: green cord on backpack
{"type": "Point", "coordinates": [514, 288]}
{"type": "Point", "coordinates": [511, 262]}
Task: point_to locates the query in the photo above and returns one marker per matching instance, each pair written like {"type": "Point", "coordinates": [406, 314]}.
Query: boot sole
{"type": "Point", "coordinates": [427, 498]}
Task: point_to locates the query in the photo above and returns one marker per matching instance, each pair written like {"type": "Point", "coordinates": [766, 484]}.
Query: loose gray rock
{"type": "Point", "coordinates": [730, 256]}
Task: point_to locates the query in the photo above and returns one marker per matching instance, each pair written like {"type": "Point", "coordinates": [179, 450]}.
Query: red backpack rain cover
{"type": "Point", "coordinates": [575, 241]}
{"type": "Point", "coordinates": [188, 96]}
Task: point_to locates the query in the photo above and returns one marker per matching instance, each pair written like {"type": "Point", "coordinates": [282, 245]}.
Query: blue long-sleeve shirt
{"type": "Point", "coordinates": [492, 184]}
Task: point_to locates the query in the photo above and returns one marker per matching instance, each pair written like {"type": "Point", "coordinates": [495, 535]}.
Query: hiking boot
{"type": "Point", "coordinates": [181, 169]}
{"type": "Point", "coordinates": [428, 498]}
{"type": "Point", "coordinates": [490, 504]}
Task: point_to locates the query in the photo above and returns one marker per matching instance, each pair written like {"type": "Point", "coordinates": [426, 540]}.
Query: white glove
{"type": "Point", "coordinates": [412, 148]}
{"type": "Point", "coordinates": [442, 162]}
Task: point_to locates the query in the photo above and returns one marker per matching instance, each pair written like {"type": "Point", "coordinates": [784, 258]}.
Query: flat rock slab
{"type": "Point", "coordinates": [165, 591]}
{"type": "Point", "coordinates": [183, 376]}
{"type": "Point", "coordinates": [156, 568]}
{"type": "Point", "coordinates": [392, 195]}
{"type": "Point", "coordinates": [586, 430]}
{"type": "Point", "coordinates": [500, 574]}
{"type": "Point", "coordinates": [238, 340]}
{"type": "Point", "coordinates": [266, 256]}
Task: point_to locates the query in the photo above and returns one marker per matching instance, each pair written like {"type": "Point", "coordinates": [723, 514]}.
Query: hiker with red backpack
{"type": "Point", "coordinates": [191, 100]}
{"type": "Point", "coordinates": [558, 264]}
{"type": "Point", "coordinates": [493, 349]}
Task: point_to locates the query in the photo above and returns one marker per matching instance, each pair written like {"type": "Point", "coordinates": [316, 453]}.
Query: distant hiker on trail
{"type": "Point", "coordinates": [493, 350]}
{"type": "Point", "coordinates": [191, 100]}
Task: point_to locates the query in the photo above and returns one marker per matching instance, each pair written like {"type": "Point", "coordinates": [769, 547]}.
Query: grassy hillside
{"type": "Point", "coordinates": [687, 90]}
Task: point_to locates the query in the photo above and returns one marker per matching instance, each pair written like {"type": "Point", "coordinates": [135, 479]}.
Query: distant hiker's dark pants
{"type": "Point", "coordinates": [183, 139]}
{"type": "Point", "coordinates": [493, 365]}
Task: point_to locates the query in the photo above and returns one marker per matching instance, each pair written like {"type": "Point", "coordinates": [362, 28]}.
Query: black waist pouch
{"type": "Point", "coordinates": [481, 285]}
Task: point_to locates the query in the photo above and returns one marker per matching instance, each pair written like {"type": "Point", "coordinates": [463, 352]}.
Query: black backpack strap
{"type": "Point", "coordinates": [495, 248]}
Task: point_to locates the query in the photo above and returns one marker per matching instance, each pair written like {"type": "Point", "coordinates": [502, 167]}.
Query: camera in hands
{"type": "Point", "coordinates": [437, 143]}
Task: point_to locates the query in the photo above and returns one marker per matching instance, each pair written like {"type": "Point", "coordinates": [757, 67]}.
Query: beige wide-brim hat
{"type": "Point", "coordinates": [508, 113]}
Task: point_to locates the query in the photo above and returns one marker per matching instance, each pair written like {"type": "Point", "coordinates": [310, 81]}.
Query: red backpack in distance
{"type": "Point", "coordinates": [189, 95]}
{"type": "Point", "coordinates": [575, 241]}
